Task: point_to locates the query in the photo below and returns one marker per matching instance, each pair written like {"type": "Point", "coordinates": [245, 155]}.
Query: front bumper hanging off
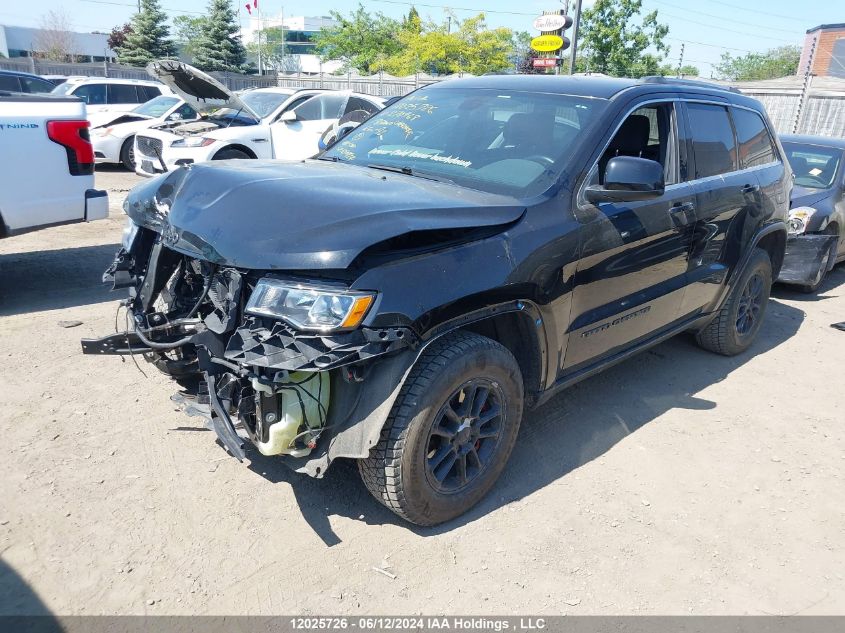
{"type": "Point", "coordinates": [804, 255]}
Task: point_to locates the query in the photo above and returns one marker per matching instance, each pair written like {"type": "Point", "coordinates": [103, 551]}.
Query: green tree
{"type": "Point", "coordinates": [613, 43]}
{"type": "Point", "coordinates": [472, 48]}
{"type": "Point", "coordinates": [687, 70]}
{"type": "Point", "coordinates": [273, 49]}
{"type": "Point", "coordinates": [187, 31]}
{"type": "Point", "coordinates": [413, 22]}
{"type": "Point", "coordinates": [149, 38]}
{"type": "Point", "coordinates": [218, 45]}
{"type": "Point", "coordinates": [361, 39]}
{"type": "Point", "coordinates": [776, 62]}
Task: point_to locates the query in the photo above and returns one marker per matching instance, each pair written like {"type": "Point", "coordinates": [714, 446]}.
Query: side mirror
{"type": "Point", "coordinates": [628, 179]}
{"type": "Point", "coordinates": [175, 117]}
{"type": "Point", "coordinates": [288, 116]}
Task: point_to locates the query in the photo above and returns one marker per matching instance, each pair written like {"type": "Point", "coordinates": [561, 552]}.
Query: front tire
{"type": "Point", "coordinates": [450, 432]}
{"type": "Point", "coordinates": [230, 153]}
{"type": "Point", "coordinates": [736, 326]}
{"type": "Point", "coordinates": [127, 153]}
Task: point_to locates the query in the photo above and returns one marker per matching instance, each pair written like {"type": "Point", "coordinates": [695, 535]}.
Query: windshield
{"type": "Point", "coordinates": [156, 107]}
{"type": "Point", "coordinates": [62, 89]}
{"type": "Point", "coordinates": [262, 103]}
{"type": "Point", "coordinates": [814, 166]}
{"type": "Point", "coordinates": [499, 141]}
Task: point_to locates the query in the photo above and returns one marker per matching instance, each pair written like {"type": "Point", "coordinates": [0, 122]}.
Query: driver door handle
{"type": "Point", "coordinates": [750, 188]}
{"type": "Point", "coordinates": [682, 214]}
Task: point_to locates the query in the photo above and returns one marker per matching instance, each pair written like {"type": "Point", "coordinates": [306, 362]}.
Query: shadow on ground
{"type": "Point", "coordinates": [49, 280]}
{"type": "Point", "coordinates": [575, 427]}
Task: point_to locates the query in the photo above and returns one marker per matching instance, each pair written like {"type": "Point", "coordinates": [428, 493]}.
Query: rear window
{"type": "Point", "coordinates": [9, 82]}
{"type": "Point", "coordinates": [713, 140]}
{"type": "Point", "coordinates": [755, 143]}
{"type": "Point", "coordinates": [145, 93]}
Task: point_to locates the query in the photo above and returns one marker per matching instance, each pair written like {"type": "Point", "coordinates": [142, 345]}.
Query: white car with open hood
{"type": "Point", "coordinates": [282, 123]}
{"type": "Point", "coordinates": [114, 137]}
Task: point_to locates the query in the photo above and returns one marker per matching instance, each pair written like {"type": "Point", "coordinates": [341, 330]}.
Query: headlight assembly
{"type": "Point", "coordinates": [309, 308]}
{"type": "Point", "coordinates": [130, 232]}
{"type": "Point", "coordinates": [799, 217]}
{"type": "Point", "coordinates": [193, 141]}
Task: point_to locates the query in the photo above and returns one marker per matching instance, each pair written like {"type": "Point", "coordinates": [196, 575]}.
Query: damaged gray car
{"type": "Point", "coordinates": [458, 258]}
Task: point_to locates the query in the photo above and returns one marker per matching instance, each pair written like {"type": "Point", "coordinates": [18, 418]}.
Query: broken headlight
{"type": "Point", "coordinates": [799, 218]}
{"type": "Point", "coordinates": [309, 308]}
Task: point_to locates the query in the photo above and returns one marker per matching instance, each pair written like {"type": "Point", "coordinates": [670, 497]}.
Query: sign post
{"type": "Point", "coordinates": [551, 40]}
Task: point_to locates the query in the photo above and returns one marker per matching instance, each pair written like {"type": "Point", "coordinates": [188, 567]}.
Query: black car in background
{"type": "Point", "coordinates": [460, 257]}
{"type": "Point", "coordinates": [13, 81]}
{"type": "Point", "coordinates": [817, 211]}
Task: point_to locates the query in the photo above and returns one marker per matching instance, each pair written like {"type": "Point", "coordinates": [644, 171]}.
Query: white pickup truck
{"type": "Point", "coordinates": [46, 164]}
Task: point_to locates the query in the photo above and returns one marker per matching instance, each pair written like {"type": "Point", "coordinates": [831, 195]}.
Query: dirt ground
{"type": "Point", "coordinates": [678, 482]}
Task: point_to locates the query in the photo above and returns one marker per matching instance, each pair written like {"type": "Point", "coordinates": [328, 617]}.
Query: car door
{"type": "Point", "coordinates": [728, 202]}
{"type": "Point", "coordinates": [94, 96]}
{"type": "Point", "coordinates": [631, 274]}
{"type": "Point", "coordinates": [298, 138]}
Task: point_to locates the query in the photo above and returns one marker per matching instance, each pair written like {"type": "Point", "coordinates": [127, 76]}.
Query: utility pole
{"type": "Point", "coordinates": [805, 88]}
{"type": "Point", "coordinates": [680, 61]}
{"type": "Point", "coordinates": [283, 36]}
{"type": "Point", "coordinates": [260, 71]}
{"type": "Point", "coordinates": [576, 21]}
{"type": "Point", "coordinates": [449, 23]}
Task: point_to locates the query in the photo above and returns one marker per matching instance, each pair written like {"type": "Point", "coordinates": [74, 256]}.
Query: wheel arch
{"type": "Point", "coordinates": [238, 146]}
{"type": "Point", "coordinates": [774, 243]}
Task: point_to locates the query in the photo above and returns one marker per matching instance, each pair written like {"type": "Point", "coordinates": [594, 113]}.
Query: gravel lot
{"type": "Point", "coordinates": [678, 482]}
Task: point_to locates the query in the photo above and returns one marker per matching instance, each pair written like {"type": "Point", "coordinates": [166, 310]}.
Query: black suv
{"type": "Point", "coordinates": [479, 245]}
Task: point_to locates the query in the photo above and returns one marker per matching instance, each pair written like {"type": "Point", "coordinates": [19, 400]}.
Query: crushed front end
{"type": "Point", "coordinates": [286, 362]}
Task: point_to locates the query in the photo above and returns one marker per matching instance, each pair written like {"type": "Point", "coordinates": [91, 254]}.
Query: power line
{"type": "Point", "coordinates": [451, 8]}
{"type": "Point", "coordinates": [755, 11]}
{"type": "Point", "coordinates": [722, 28]}
{"type": "Point", "coordinates": [726, 48]}
{"type": "Point", "coordinates": [123, 4]}
{"type": "Point", "coordinates": [721, 17]}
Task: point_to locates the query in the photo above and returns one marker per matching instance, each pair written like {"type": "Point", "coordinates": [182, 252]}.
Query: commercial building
{"type": "Point", "coordinates": [299, 54]}
{"type": "Point", "coordinates": [826, 43]}
{"type": "Point", "coordinates": [24, 41]}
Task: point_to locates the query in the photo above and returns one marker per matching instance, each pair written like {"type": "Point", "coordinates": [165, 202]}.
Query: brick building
{"type": "Point", "coordinates": [829, 58]}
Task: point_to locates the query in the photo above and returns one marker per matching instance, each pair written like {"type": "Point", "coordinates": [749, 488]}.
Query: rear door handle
{"type": "Point", "coordinates": [750, 189]}
{"type": "Point", "coordinates": [682, 214]}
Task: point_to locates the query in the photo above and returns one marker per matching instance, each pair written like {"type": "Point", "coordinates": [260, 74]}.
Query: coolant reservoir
{"type": "Point", "coordinates": [306, 392]}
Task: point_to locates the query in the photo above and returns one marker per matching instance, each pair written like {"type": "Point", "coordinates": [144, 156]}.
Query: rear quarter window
{"type": "Point", "coordinates": [755, 143]}
{"type": "Point", "coordinates": [713, 142]}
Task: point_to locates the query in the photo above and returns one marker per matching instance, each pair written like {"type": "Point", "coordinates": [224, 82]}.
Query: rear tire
{"type": "Point", "coordinates": [230, 153]}
{"type": "Point", "coordinates": [127, 153]}
{"type": "Point", "coordinates": [450, 432]}
{"type": "Point", "coordinates": [737, 323]}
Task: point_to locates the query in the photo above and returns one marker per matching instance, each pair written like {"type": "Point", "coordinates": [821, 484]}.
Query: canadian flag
{"type": "Point", "coordinates": [249, 6]}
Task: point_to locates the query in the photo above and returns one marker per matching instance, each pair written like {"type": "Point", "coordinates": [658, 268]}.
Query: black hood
{"type": "Point", "coordinates": [807, 197]}
{"type": "Point", "coordinates": [304, 215]}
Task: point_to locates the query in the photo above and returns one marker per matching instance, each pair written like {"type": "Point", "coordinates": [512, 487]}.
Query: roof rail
{"type": "Point", "coordinates": [658, 79]}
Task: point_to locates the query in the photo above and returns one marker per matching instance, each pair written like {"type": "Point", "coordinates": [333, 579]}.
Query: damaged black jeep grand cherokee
{"type": "Point", "coordinates": [403, 298]}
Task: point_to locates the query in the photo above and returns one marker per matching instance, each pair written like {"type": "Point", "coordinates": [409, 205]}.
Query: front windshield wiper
{"type": "Point", "coordinates": [333, 159]}
{"type": "Point", "coordinates": [403, 169]}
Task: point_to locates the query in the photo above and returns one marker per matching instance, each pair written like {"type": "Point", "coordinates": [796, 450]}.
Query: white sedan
{"type": "Point", "coordinates": [262, 123]}
{"type": "Point", "coordinates": [114, 139]}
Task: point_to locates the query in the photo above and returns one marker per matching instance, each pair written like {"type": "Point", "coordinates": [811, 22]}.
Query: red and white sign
{"type": "Point", "coordinates": [544, 62]}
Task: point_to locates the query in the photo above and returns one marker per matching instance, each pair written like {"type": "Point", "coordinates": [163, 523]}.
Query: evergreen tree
{"type": "Point", "coordinates": [148, 39]}
{"type": "Point", "coordinates": [218, 46]}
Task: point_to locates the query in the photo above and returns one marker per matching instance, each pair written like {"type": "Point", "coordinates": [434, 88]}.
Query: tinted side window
{"type": "Point", "coordinates": [92, 94]}
{"type": "Point", "coordinates": [9, 82]}
{"type": "Point", "coordinates": [34, 84]}
{"type": "Point", "coordinates": [145, 93]}
{"type": "Point", "coordinates": [122, 93]}
{"type": "Point", "coordinates": [187, 111]}
{"type": "Point", "coordinates": [713, 140]}
{"type": "Point", "coordinates": [755, 144]}
{"type": "Point", "coordinates": [321, 107]}
{"type": "Point", "coordinates": [648, 132]}
{"type": "Point", "coordinates": [357, 103]}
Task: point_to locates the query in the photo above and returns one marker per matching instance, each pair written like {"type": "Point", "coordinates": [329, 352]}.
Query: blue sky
{"type": "Point", "coordinates": [708, 28]}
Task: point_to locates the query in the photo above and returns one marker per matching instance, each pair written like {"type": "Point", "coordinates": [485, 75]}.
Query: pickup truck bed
{"type": "Point", "coordinates": [47, 174]}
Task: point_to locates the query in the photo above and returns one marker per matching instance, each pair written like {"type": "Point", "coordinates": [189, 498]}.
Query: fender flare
{"type": "Point", "coordinates": [359, 410]}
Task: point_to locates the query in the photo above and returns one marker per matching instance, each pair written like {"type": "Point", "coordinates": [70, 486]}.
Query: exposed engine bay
{"type": "Point", "coordinates": [247, 376]}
